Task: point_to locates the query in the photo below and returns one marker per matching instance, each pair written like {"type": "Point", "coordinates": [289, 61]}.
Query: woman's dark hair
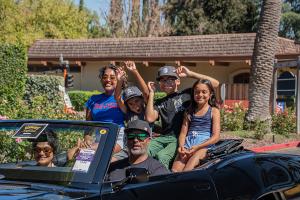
{"type": "Point", "coordinates": [112, 67]}
{"type": "Point", "coordinates": [47, 136]}
{"type": "Point", "coordinates": [212, 100]}
{"type": "Point", "coordinates": [103, 69]}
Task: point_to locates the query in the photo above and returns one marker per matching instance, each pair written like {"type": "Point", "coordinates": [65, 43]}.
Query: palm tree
{"type": "Point", "coordinates": [261, 73]}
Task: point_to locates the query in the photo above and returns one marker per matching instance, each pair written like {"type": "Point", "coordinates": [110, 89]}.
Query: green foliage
{"type": "Point", "coordinates": [261, 128]}
{"type": "Point", "coordinates": [232, 118]}
{"type": "Point", "coordinates": [284, 123]}
{"type": "Point", "coordinates": [29, 20]}
{"type": "Point", "coordinates": [42, 100]}
{"type": "Point", "coordinates": [44, 86]}
{"type": "Point", "coordinates": [211, 16]}
{"type": "Point", "coordinates": [13, 71]}
{"type": "Point", "coordinates": [13, 151]}
{"type": "Point", "coordinates": [290, 20]}
{"type": "Point", "coordinates": [79, 98]}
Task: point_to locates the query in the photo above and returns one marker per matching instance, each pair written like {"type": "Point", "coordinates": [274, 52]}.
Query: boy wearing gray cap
{"type": "Point", "coordinates": [170, 110]}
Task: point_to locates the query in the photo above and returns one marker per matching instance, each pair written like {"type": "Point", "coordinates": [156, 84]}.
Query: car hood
{"type": "Point", "coordinates": [14, 190]}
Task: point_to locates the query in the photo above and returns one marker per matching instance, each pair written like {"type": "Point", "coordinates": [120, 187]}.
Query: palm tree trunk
{"type": "Point", "coordinates": [266, 44]}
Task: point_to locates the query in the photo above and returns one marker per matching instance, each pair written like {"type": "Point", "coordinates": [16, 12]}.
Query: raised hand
{"type": "Point", "coordinates": [121, 74]}
{"type": "Point", "coordinates": [183, 71]}
{"type": "Point", "coordinates": [130, 65]}
{"type": "Point", "coordinates": [151, 86]}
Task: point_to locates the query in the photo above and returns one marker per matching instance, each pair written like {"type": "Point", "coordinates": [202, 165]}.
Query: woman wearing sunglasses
{"type": "Point", "coordinates": [44, 149]}
{"type": "Point", "coordinates": [103, 107]}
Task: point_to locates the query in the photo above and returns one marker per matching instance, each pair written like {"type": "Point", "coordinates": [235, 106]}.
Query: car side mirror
{"type": "Point", "coordinates": [137, 175]}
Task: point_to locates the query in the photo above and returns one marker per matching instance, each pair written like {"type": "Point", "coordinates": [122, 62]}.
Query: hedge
{"type": "Point", "coordinates": [78, 98]}
{"type": "Point", "coordinates": [13, 70]}
{"type": "Point", "coordinates": [46, 86]}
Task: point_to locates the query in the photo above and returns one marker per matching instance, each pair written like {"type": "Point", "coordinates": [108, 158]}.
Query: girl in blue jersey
{"type": "Point", "coordinates": [103, 107]}
{"type": "Point", "coordinates": [200, 128]}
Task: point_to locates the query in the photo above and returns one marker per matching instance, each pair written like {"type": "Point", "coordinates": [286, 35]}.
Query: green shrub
{"type": "Point", "coordinates": [13, 69]}
{"type": "Point", "coordinates": [79, 98]}
{"type": "Point", "coordinates": [47, 87]}
{"type": "Point", "coordinates": [232, 118]}
{"type": "Point", "coordinates": [12, 151]}
{"type": "Point", "coordinates": [284, 123]}
{"type": "Point", "coordinates": [43, 99]}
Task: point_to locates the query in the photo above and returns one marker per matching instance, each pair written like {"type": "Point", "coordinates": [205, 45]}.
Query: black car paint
{"type": "Point", "coordinates": [241, 175]}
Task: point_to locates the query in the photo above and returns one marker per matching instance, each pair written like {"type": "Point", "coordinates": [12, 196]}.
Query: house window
{"type": "Point", "coordinates": [241, 78]}
{"type": "Point", "coordinates": [286, 84]}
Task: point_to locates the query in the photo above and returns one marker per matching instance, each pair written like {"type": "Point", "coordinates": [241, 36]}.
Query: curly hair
{"type": "Point", "coordinates": [114, 68]}
{"type": "Point", "coordinates": [103, 69]}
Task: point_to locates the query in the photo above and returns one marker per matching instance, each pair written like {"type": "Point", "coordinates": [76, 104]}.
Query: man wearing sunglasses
{"type": "Point", "coordinates": [138, 135]}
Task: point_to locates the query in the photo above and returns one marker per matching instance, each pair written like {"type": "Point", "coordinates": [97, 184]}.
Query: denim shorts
{"type": "Point", "coordinates": [195, 138]}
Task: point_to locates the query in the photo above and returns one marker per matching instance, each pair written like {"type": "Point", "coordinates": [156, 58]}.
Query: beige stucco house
{"type": "Point", "coordinates": [226, 57]}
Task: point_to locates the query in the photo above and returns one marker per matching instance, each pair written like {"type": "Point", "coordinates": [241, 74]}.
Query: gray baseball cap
{"type": "Point", "coordinates": [138, 125]}
{"type": "Point", "coordinates": [131, 92]}
{"type": "Point", "coordinates": [166, 71]}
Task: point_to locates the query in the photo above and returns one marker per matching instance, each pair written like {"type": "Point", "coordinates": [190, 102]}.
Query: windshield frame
{"type": "Point", "coordinates": [97, 169]}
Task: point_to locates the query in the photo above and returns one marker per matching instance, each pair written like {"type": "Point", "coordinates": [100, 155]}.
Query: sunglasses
{"type": "Point", "coordinates": [47, 150]}
{"type": "Point", "coordinates": [140, 136]}
{"type": "Point", "coordinates": [112, 78]}
{"type": "Point", "coordinates": [168, 81]}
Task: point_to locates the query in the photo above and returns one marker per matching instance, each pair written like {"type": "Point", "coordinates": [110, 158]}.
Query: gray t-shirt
{"type": "Point", "coordinates": [131, 116]}
{"type": "Point", "coordinates": [118, 169]}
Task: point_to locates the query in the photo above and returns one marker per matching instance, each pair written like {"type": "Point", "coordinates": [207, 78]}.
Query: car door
{"type": "Point", "coordinates": [191, 185]}
{"type": "Point", "coordinates": [250, 177]}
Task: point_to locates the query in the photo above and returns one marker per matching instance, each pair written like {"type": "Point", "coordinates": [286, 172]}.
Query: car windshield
{"type": "Point", "coordinates": [49, 151]}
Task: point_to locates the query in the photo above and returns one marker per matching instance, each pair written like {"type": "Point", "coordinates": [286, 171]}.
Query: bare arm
{"type": "Point", "coordinates": [143, 86]}
{"type": "Point", "coordinates": [215, 130]}
{"type": "Point", "coordinates": [183, 71]}
{"type": "Point", "coordinates": [118, 90]}
{"type": "Point", "coordinates": [151, 114]}
{"type": "Point", "coordinates": [184, 130]}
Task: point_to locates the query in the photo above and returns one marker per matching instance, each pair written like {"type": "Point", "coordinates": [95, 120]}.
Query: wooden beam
{"type": "Point", "coordinates": [78, 63]}
{"type": "Point", "coordinates": [211, 62]}
{"type": "Point", "coordinates": [146, 63]}
{"type": "Point", "coordinates": [188, 64]}
{"type": "Point", "coordinates": [44, 63]}
{"type": "Point", "coordinates": [248, 62]}
{"type": "Point", "coordinates": [177, 63]}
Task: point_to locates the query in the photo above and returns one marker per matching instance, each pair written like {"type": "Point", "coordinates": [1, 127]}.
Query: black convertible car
{"type": "Point", "coordinates": [41, 160]}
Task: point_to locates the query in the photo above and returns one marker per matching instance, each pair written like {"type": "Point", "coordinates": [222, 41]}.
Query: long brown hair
{"type": "Point", "coordinates": [212, 100]}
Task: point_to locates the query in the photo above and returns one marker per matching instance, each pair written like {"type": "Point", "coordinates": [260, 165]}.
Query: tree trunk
{"type": "Point", "coordinates": [266, 44]}
{"type": "Point", "coordinates": [115, 18]}
{"type": "Point", "coordinates": [134, 29]}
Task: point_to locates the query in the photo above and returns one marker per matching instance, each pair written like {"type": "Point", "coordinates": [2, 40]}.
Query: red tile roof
{"type": "Point", "coordinates": [151, 48]}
